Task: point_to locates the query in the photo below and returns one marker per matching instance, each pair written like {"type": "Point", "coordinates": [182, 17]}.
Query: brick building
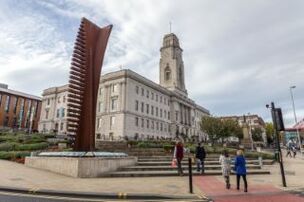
{"type": "Point", "coordinates": [18, 110]}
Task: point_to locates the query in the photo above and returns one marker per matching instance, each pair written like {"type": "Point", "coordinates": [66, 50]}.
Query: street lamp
{"type": "Point", "coordinates": [295, 116]}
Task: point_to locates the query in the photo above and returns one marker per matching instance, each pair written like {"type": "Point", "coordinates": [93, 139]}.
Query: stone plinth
{"type": "Point", "coordinates": [87, 167]}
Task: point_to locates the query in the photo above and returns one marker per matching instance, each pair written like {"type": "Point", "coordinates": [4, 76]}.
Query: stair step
{"type": "Point", "coordinates": [159, 163]}
{"type": "Point", "coordinates": [168, 167]}
{"type": "Point", "coordinates": [172, 173]}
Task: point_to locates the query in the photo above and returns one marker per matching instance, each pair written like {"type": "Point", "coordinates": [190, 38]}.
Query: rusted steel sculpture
{"type": "Point", "coordinates": [85, 72]}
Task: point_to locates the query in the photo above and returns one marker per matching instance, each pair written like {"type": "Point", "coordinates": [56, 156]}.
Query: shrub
{"type": "Point", "coordinates": [31, 147]}
{"type": "Point", "coordinates": [13, 155]}
{"type": "Point", "coordinates": [168, 147]}
{"type": "Point", "coordinates": [7, 146]}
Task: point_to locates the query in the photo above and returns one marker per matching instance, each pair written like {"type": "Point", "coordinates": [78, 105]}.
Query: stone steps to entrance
{"type": "Point", "coordinates": [168, 167]}
{"type": "Point", "coordinates": [185, 159]}
{"type": "Point", "coordinates": [171, 173]}
{"type": "Point", "coordinates": [185, 162]}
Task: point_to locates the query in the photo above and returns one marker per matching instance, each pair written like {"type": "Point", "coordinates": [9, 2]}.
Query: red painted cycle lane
{"type": "Point", "coordinates": [215, 189]}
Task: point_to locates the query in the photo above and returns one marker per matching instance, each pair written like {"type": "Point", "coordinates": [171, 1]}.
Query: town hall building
{"type": "Point", "coordinates": [130, 106]}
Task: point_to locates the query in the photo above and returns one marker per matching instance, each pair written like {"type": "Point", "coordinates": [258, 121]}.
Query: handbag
{"type": "Point", "coordinates": [173, 163]}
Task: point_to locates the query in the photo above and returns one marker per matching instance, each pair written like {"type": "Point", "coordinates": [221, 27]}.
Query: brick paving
{"type": "Point", "coordinates": [214, 188]}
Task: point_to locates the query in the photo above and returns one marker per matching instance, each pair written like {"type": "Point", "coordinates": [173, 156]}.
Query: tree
{"type": "Point", "coordinates": [212, 126]}
{"type": "Point", "coordinates": [269, 132]}
{"type": "Point", "coordinates": [257, 134]}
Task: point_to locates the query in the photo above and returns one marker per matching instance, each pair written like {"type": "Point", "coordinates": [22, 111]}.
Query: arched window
{"type": "Point", "coordinates": [167, 73]}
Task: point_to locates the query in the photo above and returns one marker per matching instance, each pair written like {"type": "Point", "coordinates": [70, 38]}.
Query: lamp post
{"type": "Point", "coordinates": [295, 116]}
{"type": "Point", "coordinates": [278, 126]}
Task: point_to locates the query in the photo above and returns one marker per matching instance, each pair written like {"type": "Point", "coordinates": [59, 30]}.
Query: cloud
{"type": "Point", "coordinates": [238, 55]}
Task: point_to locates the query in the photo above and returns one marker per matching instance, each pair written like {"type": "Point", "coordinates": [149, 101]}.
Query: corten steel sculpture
{"type": "Point", "coordinates": [85, 72]}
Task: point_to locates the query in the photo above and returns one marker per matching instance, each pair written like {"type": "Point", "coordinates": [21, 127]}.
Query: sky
{"type": "Point", "coordinates": [238, 55]}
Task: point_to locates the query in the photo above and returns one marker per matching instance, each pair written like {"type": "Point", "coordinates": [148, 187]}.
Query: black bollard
{"type": "Point", "coordinates": [190, 175]}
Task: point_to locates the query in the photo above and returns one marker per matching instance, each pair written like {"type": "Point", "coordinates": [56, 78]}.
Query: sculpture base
{"type": "Point", "coordinates": [81, 167]}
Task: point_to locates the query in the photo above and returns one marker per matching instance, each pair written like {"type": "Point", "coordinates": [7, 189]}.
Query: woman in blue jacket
{"type": "Point", "coordinates": [240, 169]}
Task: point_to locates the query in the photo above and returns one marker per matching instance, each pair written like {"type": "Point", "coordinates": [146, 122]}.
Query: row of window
{"type": "Point", "coordinates": [155, 96]}
{"type": "Point", "coordinates": [158, 112]}
{"type": "Point", "coordinates": [58, 100]}
{"type": "Point", "coordinates": [146, 123]}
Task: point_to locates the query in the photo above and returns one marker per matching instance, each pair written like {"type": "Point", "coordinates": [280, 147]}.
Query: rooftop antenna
{"type": "Point", "coordinates": [170, 25]}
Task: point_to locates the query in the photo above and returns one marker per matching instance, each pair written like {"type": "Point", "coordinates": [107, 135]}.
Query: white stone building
{"type": "Point", "coordinates": [134, 107]}
{"type": "Point", "coordinates": [53, 117]}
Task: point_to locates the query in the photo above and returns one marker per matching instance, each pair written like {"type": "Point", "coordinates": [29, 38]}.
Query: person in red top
{"type": "Point", "coordinates": [179, 155]}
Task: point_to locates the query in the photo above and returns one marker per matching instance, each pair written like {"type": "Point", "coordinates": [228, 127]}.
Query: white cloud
{"type": "Point", "coordinates": [238, 55]}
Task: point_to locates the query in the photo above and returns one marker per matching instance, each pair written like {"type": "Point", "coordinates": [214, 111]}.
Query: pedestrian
{"type": "Point", "coordinates": [225, 162]}
{"type": "Point", "coordinates": [179, 155]}
{"type": "Point", "coordinates": [200, 155]}
{"type": "Point", "coordinates": [240, 169]}
{"type": "Point", "coordinates": [289, 148]}
{"type": "Point", "coordinates": [294, 150]}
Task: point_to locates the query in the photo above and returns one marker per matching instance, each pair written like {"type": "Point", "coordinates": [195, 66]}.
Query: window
{"type": "Point", "coordinates": [176, 115]}
{"type": "Point", "coordinates": [136, 105]}
{"type": "Point", "coordinates": [0, 99]}
{"type": "Point", "coordinates": [161, 113]}
{"type": "Point", "coordinates": [156, 111]}
{"type": "Point", "coordinates": [152, 96]}
{"type": "Point", "coordinates": [148, 123]}
{"type": "Point", "coordinates": [136, 121]}
{"type": "Point", "coordinates": [161, 99]}
{"type": "Point", "coordinates": [137, 90]}
{"type": "Point", "coordinates": [112, 121]}
{"type": "Point", "coordinates": [142, 123]}
{"type": "Point", "coordinates": [147, 108]}
{"type": "Point", "coordinates": [165, 113]}
{"type": "Point", "coordinates": [15, 104]}
{"type": "Point", "coordinates": [161, 126]}
{"type": "Point", "coordinates": [114, 104]}
{"type": "Point", "coordinates": [100, 106]}
{"type": "Point", "coordinates": [58, 99]}
{"type": "Point", "coordinates": [152, 124]}
{"type": "Point", "coordinates": [167, 73]}
{"type": "Point", "coordinates": [168, 115]}
{"type": "Point", "coordinates": [142, 107]}
{"type": "Point", "coordinates": [7, 103]}
{"type": "Point", "coordinates": [114, 88]}
{"type": "Point", "coordinates": [58, 113]}
{"type": "Point", "coordinates": [62, 112]}
{"type": "Point", "coordinates": [61, 126]}
{"type": "Point", "coordinates": [142, 92]}
{"type": "Point", "coordinates": [156, 98]}
{"type": "Point", "coordinates": [48, 101]}
{"type": "Point", "coordinates": [148, 94]}
{"type": "Point", "coordinates": [157, 126]}
{"type": "Point", "coordinates": [63, 99]}
{"type": "Point", "coordinates": [152, 110]}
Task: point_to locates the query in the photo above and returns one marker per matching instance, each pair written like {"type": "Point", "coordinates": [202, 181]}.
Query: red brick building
{"type": "Point", "coordinates": [18, 110]}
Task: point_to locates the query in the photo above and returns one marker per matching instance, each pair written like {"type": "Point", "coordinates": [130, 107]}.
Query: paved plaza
{"type": "Point", "coordinates": [266, 187]}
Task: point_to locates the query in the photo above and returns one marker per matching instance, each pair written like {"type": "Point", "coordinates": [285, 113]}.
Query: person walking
{"type": "Point", "coordinates": [289, 148]}
{"type": "Point", "coordinates": [200, 155]}
{"type": "Point", "coordinates": [240, 169]}
{"type": "Point", "coordinates": [225, 162]}
{"type": "Point", "coordinates": [294, 149]}
{"type": "Point", "coordinates": [179, 155]}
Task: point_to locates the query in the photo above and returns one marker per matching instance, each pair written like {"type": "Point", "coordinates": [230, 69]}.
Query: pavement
{"type": "Point", "coordinates": [261, 187]}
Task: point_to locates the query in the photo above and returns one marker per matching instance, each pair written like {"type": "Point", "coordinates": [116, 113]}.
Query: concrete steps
{"type": "Point", "coordinates": [171, 173]}
{"type": "Point", "coordinates": [152, 166]}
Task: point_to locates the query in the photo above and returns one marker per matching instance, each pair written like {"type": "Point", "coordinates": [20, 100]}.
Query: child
{"type": "Point", "coordinates": [225, 163]}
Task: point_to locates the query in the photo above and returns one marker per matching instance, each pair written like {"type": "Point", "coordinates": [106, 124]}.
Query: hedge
{"type": "Point", "coordinates": [13, 155]}
{"type": "Point", "coordinates": [31, 147]}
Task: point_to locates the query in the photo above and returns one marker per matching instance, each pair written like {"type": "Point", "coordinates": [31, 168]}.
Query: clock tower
{"type": "Point", "coordinates": [171, 65]}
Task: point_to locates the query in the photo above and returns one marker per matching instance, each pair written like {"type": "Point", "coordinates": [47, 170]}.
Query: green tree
{"type": "Point", "coordinates": [257, 134]}
{"type": "Point", "coordinates": [212, 126]}
{"type": "Point", "coordinates": [269, 132]}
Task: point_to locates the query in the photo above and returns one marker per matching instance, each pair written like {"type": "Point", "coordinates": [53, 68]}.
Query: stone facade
{"type": "Point", "coordinates": [54, 110]}
{"type": "Point", "coordinates": [134, 107]}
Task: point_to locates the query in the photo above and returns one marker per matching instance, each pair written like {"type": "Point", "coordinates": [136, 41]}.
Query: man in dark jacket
{"type": "Point", "coordinates": [200, 156]}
